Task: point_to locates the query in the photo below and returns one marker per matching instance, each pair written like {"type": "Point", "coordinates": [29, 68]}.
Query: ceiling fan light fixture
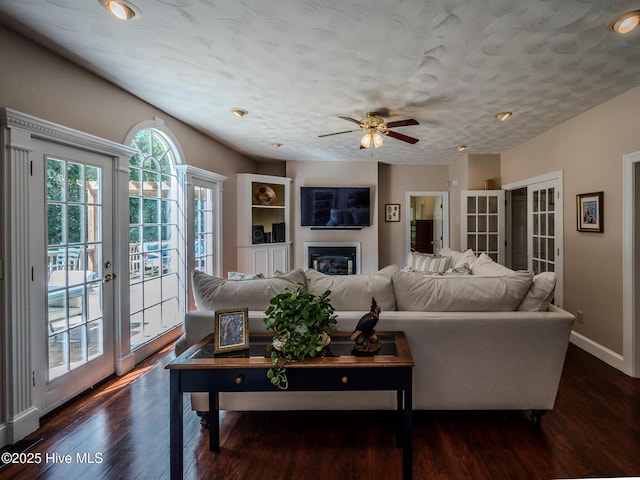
{"type": "Point", "coordinates": [372, 137]}
{"type": "Point", "coordinates": [121, 9]}
{"type": "Point", "coordinates": [365, 141]}
{"type": "Point", "coordinates": [502, 116]}
{"type": "Point", "coordinates": [377, 140]}
{"type": "Point", "coordinates": [625, 23]}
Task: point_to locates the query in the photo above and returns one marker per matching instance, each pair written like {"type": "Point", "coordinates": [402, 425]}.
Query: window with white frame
{"type": "Point", "coordinates": [156, 270]}
{"type": "Point", "coordinates": [204, 222]}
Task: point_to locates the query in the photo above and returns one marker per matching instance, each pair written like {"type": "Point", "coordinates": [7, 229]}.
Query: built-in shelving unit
{"type": "Point", "coordinates": [264, 239]}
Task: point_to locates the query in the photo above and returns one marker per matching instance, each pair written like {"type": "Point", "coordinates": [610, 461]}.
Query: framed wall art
{"type": "Point", "coordinates": [392, 212]}
{"type": "Point", "coordinates": [231, 330]}
{"type": "Point", "coordinates": [590, 212]}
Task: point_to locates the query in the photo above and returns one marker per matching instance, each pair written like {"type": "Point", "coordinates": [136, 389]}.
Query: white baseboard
{"type": "Point", "coordinates": [19, 427]}
{"type": "Point", "coordinates": [3, 435]}
{"type": "Point", "coordinates": [125, 364]}
{"type": "Point", "coordinates": [603, 353]}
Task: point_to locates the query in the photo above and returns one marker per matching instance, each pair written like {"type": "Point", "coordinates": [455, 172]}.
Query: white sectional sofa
{"type": "Point", "coordinates": [486, 339]}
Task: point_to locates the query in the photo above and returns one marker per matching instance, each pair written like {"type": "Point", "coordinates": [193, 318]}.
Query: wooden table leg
{"type": "Point", "coordinates": [214, 422]}
{"type": "Point", "coordinates": [175, 425]}
{"type": "Point", "coordinates": [399, 417]}
{"type": "Point", "coordinates": [407, 446]}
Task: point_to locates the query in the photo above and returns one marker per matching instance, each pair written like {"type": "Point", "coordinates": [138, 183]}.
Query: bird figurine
{"type": "Point", "coordinates": [367, 322]}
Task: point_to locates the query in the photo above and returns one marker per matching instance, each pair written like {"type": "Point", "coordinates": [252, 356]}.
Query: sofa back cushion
{"type": "Point", "coordinates": [469, 293]}
{"type": "Point", "coordinates": [354, 292]}
{"type": "Point", "coordinates": [213, 293]}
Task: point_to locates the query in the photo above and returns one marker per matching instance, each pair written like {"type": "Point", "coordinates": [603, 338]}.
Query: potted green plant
{"type": "Point", "coordinates": [302, 324]}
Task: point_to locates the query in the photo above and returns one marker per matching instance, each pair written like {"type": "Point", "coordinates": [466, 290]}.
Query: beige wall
{"type": "Point", "coordinates": [335, 174]}
{"type": "Point", "coordinates": [395, 181]}
{"type": "Point", "coordinates": [589, 150]}
{"type": "Point", "coordinates": [483, 167]}
{"type": "Point", "coordinates": [40, 83]}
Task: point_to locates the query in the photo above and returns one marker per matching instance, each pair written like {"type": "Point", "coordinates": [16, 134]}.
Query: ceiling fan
{"type": "Point", "coordinates": [374, 126]}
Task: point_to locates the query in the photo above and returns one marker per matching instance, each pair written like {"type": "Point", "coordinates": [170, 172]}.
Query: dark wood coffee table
{"type": "Point", "coordinates": [199, 370]}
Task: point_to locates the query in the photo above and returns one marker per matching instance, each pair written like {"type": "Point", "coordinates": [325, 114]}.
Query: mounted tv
{"type": "Point", "coordinates": [335, 207]}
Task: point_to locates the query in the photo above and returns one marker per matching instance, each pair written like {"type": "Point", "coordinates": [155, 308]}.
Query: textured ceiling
{"type": "Point", "coordinates": [296, 65]}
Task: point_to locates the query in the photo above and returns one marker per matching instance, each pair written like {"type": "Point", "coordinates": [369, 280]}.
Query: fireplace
{"type": "Point", "coordinates": [333, 258]}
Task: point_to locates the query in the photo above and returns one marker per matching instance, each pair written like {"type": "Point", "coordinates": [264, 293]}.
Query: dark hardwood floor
{"type": "Point", "coordinates": [123, 427]}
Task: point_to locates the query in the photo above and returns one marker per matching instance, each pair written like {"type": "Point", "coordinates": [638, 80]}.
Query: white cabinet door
{"type": "Point", "coordinates": [265, 259]}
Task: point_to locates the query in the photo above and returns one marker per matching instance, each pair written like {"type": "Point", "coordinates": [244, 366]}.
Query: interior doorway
{"type": "Point", "coordinates": [517, 255]}
{"type": "Point", "coordinates": [427, 221]}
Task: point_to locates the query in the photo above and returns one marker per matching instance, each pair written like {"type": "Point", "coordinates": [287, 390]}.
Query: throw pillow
{"type": "Point", "coordinates": [539, 296]}
{"type": "Point", "coordinates": [354, 292]}
{"type": "Point", "coordinates": [485, 266]}
{"type": "Point", "coordinates": [449, 252]}
{"type": "Point", "coordinates": [213, 293]}
{"type": "Point", "coordinates": [463, 270]}
{"type": "Point", "coordinates": [427, 263]}
{"type": "Point", "coordinates": [467, 257]}
{"type": "Point", "coordinates": [244, 276]}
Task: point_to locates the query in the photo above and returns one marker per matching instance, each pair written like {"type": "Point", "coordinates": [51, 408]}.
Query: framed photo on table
{"type": "Point", "coordinates": [392, 212]}
{"type": "Point", "coordinates": [231, 330]}
{"type": "Point", "coordinates": [590, 212]}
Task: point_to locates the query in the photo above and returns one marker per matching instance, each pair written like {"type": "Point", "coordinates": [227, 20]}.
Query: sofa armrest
{"type": "Point", "coordinates": [197, 325]}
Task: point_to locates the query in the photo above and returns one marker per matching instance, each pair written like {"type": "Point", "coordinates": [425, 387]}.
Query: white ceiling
{"type": "Point", "coordinates": [296, 65]}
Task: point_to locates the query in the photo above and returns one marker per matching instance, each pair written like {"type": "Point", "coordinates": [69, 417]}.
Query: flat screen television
{"type": "Point", "coordinates": [335, 207]}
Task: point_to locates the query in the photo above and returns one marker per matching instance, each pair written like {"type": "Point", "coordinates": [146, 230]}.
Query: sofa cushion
{"type": "Point", "coordinates": [354, 292]}
{"type": "Point", "coordinates": [486, 266]}
{"type": "Point", "coordinates": [213, 293]}
{"type": "Point", "coordinates": [425, 262]}
{"type": "Point", "coordinates": [459, 259]}
{"type": "Point", "coordinates": [468, 293]}
{"type": "Point", "coordinates": [539, 296]}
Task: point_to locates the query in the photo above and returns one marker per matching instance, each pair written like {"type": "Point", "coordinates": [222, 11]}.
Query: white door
{"type": "Point", "coordinates": [545, 231]}
{"type": "Point", "coordinates": [482, 226]}
{"type": "Point", "coordinates": [73, 277]}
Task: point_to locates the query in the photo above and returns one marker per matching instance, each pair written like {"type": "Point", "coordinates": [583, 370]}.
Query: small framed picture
{"type": "Point", "coordinates": [392, 212]}
{"type": "Point", "coordinates": [231, 330]}
{"type": "Point", "coordinates": [590, 212]}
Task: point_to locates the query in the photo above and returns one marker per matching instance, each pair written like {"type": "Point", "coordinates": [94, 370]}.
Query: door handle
{"type": "Point", "coordinates": [108, 277]}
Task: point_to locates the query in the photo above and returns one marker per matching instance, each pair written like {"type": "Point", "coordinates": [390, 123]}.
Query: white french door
{"type": "Point", "coordinates": [73, 276]}
{"type": "Point", "coordinates": [544, 226]}
{"type": "Point", "coordinates": [545, 229]}
{"type": "Point", "coordinates": [482, 225]}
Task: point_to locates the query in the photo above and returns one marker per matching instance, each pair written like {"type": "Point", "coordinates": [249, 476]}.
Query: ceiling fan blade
{"type": "Point", "coordinates": [337, 133]}
{"type": "Point", "coordinates": [400, 136]}
{"type": "Point", "coordinates": [402, 123]}
{"type": "Point", "coordinates": [349, 119]}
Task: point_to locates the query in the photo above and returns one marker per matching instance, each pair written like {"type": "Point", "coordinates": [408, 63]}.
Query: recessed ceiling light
{"type": "Point", "coordinates": [625, 22]}
{"type": "Point", "coordinates": [239, 112]}
{"type": "Point", "coordinates": [502, 116]}
{"type": "Point", "coordinates": [121, 9]}
{"type": "Point", "coordinates": [461, 148]}
{"type": "Point", "coordinates": [276, 145]}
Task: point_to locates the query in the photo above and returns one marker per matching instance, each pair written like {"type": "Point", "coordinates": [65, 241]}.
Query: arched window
{"type": "Point", "coordinates": [155, 269]}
